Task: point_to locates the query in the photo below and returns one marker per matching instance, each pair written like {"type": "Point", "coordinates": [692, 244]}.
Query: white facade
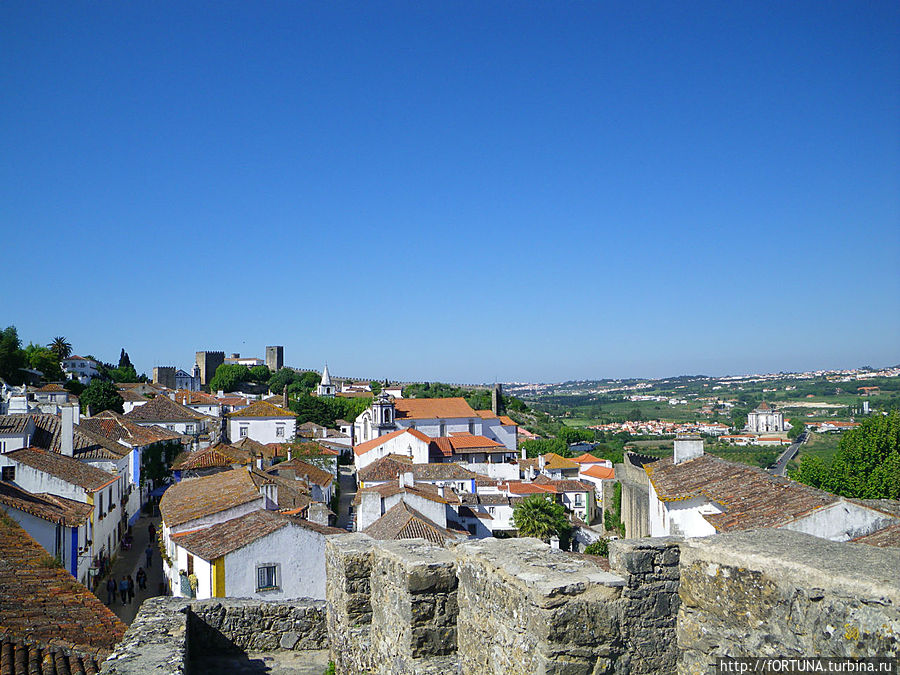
{"type": "Point", "coordinates": [406, 443]}
{"type": "Point", "coordinates": [63, 542]}
{"type": "Point", "coordinates": [372, 506]}
{"type": "Point", "coordinates": [79, 368]}
{"type": "Point", "coordinates": [765, 420]}
{"type": "Point", "coordinates": [682, 518]}
{"type": "Point", "coordinates": [262, 429]}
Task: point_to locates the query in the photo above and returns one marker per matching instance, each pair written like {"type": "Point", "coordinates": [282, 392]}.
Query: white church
{"type": "Point", "coordinates": [765, 419]}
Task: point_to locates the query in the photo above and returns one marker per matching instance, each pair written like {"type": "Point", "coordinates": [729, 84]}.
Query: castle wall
{"type": "Point", "coordinates": [635, 499]}
{"type": "Point", "coordinates": [779, 593]}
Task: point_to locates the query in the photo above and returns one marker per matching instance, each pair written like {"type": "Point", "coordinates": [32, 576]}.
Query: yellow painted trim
{"type": "Point", "coordinates": [218, 578]}
{"type": "Point", "coordinates": [90, 501]}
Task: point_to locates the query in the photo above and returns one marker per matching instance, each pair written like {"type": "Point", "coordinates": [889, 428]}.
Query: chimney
{"type": "Point", "coordinates": [172, 395]}
{"type": "Point", "coordinates": [259, 462]}
{"type": "Point", "coordinates": [317, 513]}
{"type": "Point", "coordinates": [687, 446]}
{"type": "Point", "coordinates": [67, 430]}
{"type": "Point", "coordinates": [441, 490]}
{"type": "Point", "coordinates": [401, 479]}
{"type": "Point", "coordinates": [284, 396]}
{"type": "Point", "coordinates": [408, 478]}
{"type": "Point", "coordinates": [541, 462]}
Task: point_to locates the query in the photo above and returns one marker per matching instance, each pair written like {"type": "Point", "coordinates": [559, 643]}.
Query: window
{"type": "Point", "coordinates": [8, 473]}
{"type": "Point", "coordinates": [578, 497]}
{"type": "Point", "coordinates": [472, 427]}
{"type": "Point", "coordinates": [188, 428]}
{"type": "Point", "coordinates": [267, 577]}
{"type": "Point", "coordinates": [443, 428]}
{"type": "Point", "coordinates": [243, 432]}
{"type": "Point", "coordinates": [279, 431]}
{"type": "Point", "coordinates": [170, 427]}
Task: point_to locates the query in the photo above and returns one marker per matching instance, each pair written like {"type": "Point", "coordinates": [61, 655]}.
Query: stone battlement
{"type": "Point", "coordinates": [518, 606]}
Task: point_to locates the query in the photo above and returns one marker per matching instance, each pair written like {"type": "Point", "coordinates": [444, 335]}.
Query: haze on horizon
{"type": "Point", "coordinates": [458, 193]}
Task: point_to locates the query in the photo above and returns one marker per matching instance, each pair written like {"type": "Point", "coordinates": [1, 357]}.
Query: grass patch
{"type": "Point", "coordinates": [824, 446]}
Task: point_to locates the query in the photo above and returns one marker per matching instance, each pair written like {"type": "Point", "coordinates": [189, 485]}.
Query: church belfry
{"type": "Point", "coordinates": [384, 413]}
{"type": "Point", "coordinates": [325, 389]}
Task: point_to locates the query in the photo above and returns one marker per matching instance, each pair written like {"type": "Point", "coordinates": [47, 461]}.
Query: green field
{"type": "Point", "coordinates": [825, 446]}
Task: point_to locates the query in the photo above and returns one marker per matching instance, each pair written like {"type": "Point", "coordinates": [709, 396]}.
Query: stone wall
{"type": "Point", "coordinates": [348, 570]}
{"type": "Point", "coordinates": [635, 496]}
{"type": "Point", "coordinates": [650, 602]}
{"type": "Point", "coordinates": [780, 593]}
{"type": "Point", "coordinates": [168, 632]}
{"type": "Point", "coordinates": [250, 625]}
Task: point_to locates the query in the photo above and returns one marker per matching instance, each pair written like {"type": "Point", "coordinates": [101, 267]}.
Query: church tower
{"type": "Point", "coordinates": [325, 388]}
{"type": "Point", "coordinates": [384, 414]}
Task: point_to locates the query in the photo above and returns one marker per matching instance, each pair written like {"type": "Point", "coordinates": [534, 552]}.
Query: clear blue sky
{"type": "Point", "coordinates": [460, 191]}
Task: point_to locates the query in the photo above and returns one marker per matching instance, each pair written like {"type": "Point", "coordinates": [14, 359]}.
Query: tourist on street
{"type": "Point", "coordinates": [130, 589]}
{"type": "Point", "coordinates": [151, 530]}
{"type": "Point", "coordinates": [123, 590]}
{"type": "Point", "coordinates": [110, 591]}
{"type": "Point", "coordinates": [142, 578]}
{"type": "Point", "coordinates": [149, 552]}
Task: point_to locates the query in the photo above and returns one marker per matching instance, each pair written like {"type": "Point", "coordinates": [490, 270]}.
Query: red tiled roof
{"type": "Point", "coordinates": [507, 421]}
{"type": "Point", "coordinates": [562, 485]}
{"type": "Point", "coordinates": [401, 521]}
{"type": "Point", "coordinates": [43, 607]}
{"type": "Point", "coordinates": [163, 409]}
{"type": "Point", "coordinates": [199, 497]}
{"type": "Point", "coordinates": [486, 414]}
{"type": "Point", "coordinates": [217, 540]}
{"type": "Point", "coordinates": [553, 461]}
{"type": "Point", "coordinates": [69, 469]}
{"type": "Point", "coordinates": [389, 467]}
{"type": "Point", "coordinates": [264, 410]}
{"type": "Point", "coordinates": [45, 506]}
{"type": "Point", "coordinates": [752, 497]}
{"type": "Point", "coordinates": [363, 448]}
{"type": "Point", "coordinates": [599, 472]}
{"type": "Point", "coordinates": [115, 427]}
{"type": "Point", "coordinates": [432, 408]}
{"type": "Point", "coordinates": [301, 469]}
{"type": "Point", "coordinates": [220, 455]}
{"type": "Point", "coordinates": [424, 490]}
{"type": "Point", "coordinates": [587, 458]}
{"type": "Point", "coordinates": [888, 537]}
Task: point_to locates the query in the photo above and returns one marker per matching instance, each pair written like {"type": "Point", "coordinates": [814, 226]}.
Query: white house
{"type": "Point", "coordinates": [262, 554]}
{"type": "Point", "coordinates": [387, 469]}
{"type": "Point", "coordinates": [43, 472]}
{"type": "Point", "coordinates": [406, 442]}
{"type": "Point", "coordinates": [262, 422]}
{"type": "Point", "coordinates": [163, 411]}
{"type": "Point", "coordinates": [58, 524]}
{"type": "Point", "coordinates": [80, 368]}
{"type": "Point", "coordinates": [693, 494]}
{"type": "Point", "coordinates": [433, 502]}
{"type": "Point", "coordinates": [434, 417]}
{"type": "Point", "coordinates": [319, 482]}
{"type": "Point", "coordinates": [200, 402]}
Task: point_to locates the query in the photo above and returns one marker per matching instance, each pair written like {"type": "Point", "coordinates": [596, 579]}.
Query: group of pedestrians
{"type": "Point", "coordinates": [125, 587]}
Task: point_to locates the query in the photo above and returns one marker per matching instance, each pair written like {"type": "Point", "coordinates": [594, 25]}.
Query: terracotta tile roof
{"type": "Point", "coordinates": [292, 494]}
{"type": "Point", "coordinates": [45, 506]}
{"type": "Point", "coordinates": [586, 458]}
{"type": "Point", "coordinates": [507, 421]}
{"type": "Point", "coordinates": [65, 468]}
{"type": "Point", "coordinates": [163, 409]}
{"type": "Point", "coordinates": [51, 388]}
{"type": "Point", "coordinates": [486, 414]}
{"type": "Point", "coordinates": [132, 396]}
{"type": "Point", "coordinates": [255, 448]}
{"type": "Point", "coordinates": [599, 472]}
{"type": "Point", "coordinates": [389, 467]}
{"type": "Point", "coordinates": [277, 399]}
{"type": "Point", "coordinates": [220, 455]}
{"type": "Point", "coordinates": [888, 537]}
{"type": "Point", "coordinates": [303, 470]}
{"type": "Point", "coordinates": [424, 490]}
{"type": "Point", "coordinates": [553, 461]}
{"type": "Point", "coordinates": [432, 408]}
{"type": "Point", "coordinates": [200, 497]}
{"type": "Point", "coordinates": [185, 397]}
{"type": "Point", "coordinates": [401, 521]}
{"type": "Point", "coordinates": [562, 485]}
{"type": "Point", "coordinates": [752, 498]}
{"type": "Point", "coordinates": [521, 488]}
{"type": "Point", "coordinates": [262, 409]}
{"type": "Point", "coordinates": [529, 463]}
{"type": "Point", "coordinates": [217, 540]}
{"type": "Point", "coordinates": [47, 429]}
{"type": "Point", "coordinates": [43, 608]}
{"type": "Point", "coordinates": [363, 448]}
{"type": "Point", "coordinates": [116, 427]}
{"type": "Point", "coordinates": [232, 400]}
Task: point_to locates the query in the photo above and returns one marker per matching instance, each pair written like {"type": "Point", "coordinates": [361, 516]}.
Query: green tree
{"type": "Point", "coordinates": [599, 547]}
{"type": "Point", "coordinates": [44, 359]}
{"type": "Point", "coordinates": [260, 374]}
{"type": "Point", "coordinates": [123, 374]}
{"type": "Point", "coordinates": [228, 377]}
{"type": "Point", "coordinates": [796, 429]}
{"type": "Point", "coordinates": [99, 396]}
{"type": "Point", "coordinates": [536, 516]}
{"type": "Point", "coordinates": [12, 356]}
{"type": "Point", "coordinates": [74, 387]}
{"type": "Point", "coordinates": [124, 360]}
{"type": "Point", "coordinates": [376, 387]}
{"type": "Point", "coordinates": [61, 347]}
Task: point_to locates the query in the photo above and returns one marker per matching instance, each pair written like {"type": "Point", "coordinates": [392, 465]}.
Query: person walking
{"type": "Point", "coordinates": [148, 552]}
{"type": "Point", "coordinates": [141, 579]}
{"type": "Point", "coordinates": [123, 590]}
{"type": "Point", "coordinates": [110, 591]}
{"type": "Point", "coordinates": [151, 530]}
{"type": "Point", "coordinates": [130, 589]}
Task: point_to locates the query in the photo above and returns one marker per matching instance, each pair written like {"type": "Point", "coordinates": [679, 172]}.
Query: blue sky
{"type": "Point", "coordinates": [462, 191]}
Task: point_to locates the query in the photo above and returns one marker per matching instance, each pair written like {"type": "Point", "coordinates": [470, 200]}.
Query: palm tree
{"type": "Point", "coordinates": [536, 516]}
{"type": "Point", "coordinates": [61, 348]}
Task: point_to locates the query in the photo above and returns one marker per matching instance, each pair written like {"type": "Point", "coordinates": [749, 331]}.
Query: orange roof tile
{"type": "Point", "coordinates": [507, 421]}
{"type": "Point", "coordinates": [363, 448]}
{"type": "Point", "coordinates": [586, 458]}
{"type": "Point", "coordinates": [600, 472]}
{"type": "Point", "coordinates": [262, 409]}
{"type": "Point", "coordinates": [433, 408]}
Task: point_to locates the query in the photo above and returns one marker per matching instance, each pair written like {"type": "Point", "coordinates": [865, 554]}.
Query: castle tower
{"type": "Point", "coordinates": [208, 362]}
{"type": "Point", "coordinates": [275, 358]}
